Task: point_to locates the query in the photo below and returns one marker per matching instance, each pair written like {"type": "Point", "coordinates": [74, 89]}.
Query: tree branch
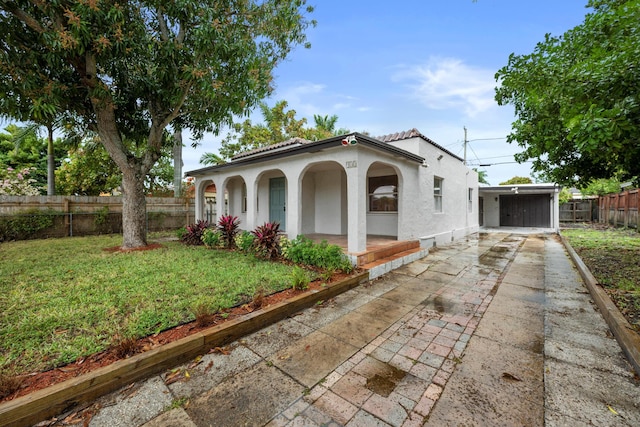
{"type": "Point", "coordinates": [164, 30]}
{"type": "Point", "coordinates": [27, 19]}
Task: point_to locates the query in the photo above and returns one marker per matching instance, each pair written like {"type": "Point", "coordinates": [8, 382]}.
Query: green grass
{"type": "Point", "coordinates": [61, 299]}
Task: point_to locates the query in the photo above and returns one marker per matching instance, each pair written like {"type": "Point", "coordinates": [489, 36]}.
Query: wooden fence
{"type": "Point", "coordinates": [620, 210]}
{"type": "Point", "coordinates": [25, 217]}
{"type": "Point", "coordinates": [579, 210]}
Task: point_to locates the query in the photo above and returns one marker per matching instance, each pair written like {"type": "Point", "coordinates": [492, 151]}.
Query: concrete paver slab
{"type": "Point", "coordinates": [234, 402]}
{"type": "Point", "coordinates": [174, 418]}
{"type": "Point", "coordinates": [275, 337]}
{"type": "Point", "coordinates": [587, 395]}
{"type": "Point", "coordinates": [212, 369]}
{"type": "Point", "coordinates": [313, 357]}
{"type": "Point", "coordinates": [133, 406]}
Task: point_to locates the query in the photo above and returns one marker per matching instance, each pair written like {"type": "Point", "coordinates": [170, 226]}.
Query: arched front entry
{"type": "Point", "coordinates": [271, 198]}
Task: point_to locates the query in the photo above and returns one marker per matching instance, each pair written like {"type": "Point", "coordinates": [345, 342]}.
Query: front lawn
{"type": "Point", "coordinates": [61, 299]}
{"type": "Point", "coordinates": [612, 255]}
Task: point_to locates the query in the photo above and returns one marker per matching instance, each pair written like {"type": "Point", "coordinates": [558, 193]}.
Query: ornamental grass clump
{"type": "Point", "coordinates": [228, 226]}
{"type": "Point", "coordinates": [267, 240]}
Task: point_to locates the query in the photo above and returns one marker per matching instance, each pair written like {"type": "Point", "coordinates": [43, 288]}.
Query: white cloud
{"type": "Point", "coordinates": [449, 83]}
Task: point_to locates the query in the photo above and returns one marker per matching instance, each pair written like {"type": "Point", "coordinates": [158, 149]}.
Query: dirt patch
{"type": "Point", "coordinates": [385, 381]}
{"type": "Point", "coordinates": [616, 269]}
{"type": "Point", "coordinates": [40, 380]}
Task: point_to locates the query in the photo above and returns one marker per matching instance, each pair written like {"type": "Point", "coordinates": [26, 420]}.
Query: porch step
{"type": "Point", "coordinates": [386, 252]}
{"type": "Point", "coordinates": [382, 266]}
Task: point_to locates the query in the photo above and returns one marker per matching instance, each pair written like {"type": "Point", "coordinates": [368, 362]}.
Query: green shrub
{"type": "Point", "coordinates": [100, 215]}
{"type": "Point", "coordinates": [180, 232]}
{"type": "Point", "coordinates": [303, 250]}
{"type": "Point", "coordinates": [244, 241]}
{"type": "Point", "coordinates": [212, 238]}
{"type": "Point", "coordinates": [300, 279]}
{"type": "Point", "coordinates": [25, 225]}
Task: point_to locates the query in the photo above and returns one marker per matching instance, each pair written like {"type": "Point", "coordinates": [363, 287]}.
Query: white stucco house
{"type": "Point", "coordinates": [402, 185]}
{"type": "Point", "coordinates": [520, 205]}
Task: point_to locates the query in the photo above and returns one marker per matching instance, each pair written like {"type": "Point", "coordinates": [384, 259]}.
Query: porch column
{"type": "Point", "coordinates": [294, 203]}
{"type": "Point", "coordinates": [252, 199]}
{"type": "Point", "coordinates": [357, 209]}
{"type": "Point", "coordinates": [199, 207]}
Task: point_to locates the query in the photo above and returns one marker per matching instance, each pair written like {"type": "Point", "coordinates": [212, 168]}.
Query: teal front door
{"type": "Point", "coordinates": [277, 202]}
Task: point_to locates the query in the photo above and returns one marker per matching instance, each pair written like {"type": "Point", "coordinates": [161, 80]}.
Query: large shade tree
{"type": "Point", "coordinates": [130, 69]}
{"type": "Point", "coordinates": [576, 97]}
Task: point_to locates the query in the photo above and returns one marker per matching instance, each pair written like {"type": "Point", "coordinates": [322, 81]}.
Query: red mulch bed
{"type": "Point", "coordinates": [39, 380]}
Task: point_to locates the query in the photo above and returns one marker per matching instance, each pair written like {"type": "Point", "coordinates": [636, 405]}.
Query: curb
{"type": "Point", "coordinates": [51, 401]}
{"type": "Point", "coordinates": [626, 336]}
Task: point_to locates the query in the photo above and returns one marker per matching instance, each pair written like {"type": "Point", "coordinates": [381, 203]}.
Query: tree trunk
{"type": "Point", "coordinates": [134, 210]}
{"type": "Point", "coordinates": [177, 163]}
{"type": "Point", "coordinates": [51, 177]}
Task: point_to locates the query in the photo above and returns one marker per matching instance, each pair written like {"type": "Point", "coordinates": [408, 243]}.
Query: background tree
{"type": "Point", "coordinates": [600, 187]}
{"type": "Point", "coordinates": [517, 180]}
{"type": "Point", "coordinates": [23, 147]}
{"type": "Point", "coordinates": [278, 126]}
{"type": "Point", "coordinates": [128, 70]}
{"type": "Point", "coordinates": [482, 176]}
{"type": "Point", "coordinates": [89, 171]}
{"type": "Point", "coordinates": [576, 97]}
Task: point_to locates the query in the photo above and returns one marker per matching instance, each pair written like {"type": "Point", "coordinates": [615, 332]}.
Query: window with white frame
{"type": "Point", "coordinates": [383, 193]}
{"type": "Point", "coordinates": [437, 193]}
{"type": "Point", "coordinates": [470, 200]}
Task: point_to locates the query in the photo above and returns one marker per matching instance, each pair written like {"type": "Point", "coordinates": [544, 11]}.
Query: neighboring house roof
{"type": "Point", "coordinates": [299, 145]}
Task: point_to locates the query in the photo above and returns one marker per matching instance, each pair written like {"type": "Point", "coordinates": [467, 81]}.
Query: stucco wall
{"type": "Point", "coordinates": [456, 219]}
{"type": "Point", "coordinates": [327, 193]}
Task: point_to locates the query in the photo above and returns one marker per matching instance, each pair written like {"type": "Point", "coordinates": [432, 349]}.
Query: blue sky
{"type": "Point", "coordinates": [384, 67]}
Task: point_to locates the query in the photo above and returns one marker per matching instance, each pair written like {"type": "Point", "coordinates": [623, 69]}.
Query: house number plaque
{"type": "Point", "coordinates": [352, 164]}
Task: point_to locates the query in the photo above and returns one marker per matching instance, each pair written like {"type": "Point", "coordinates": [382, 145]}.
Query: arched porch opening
{"type": "Point", "coordinates": [324, 208]}
{"type": "Point", "coordinates": [384, 201]}
{"type": "Point", "coordinates": [236, 198]}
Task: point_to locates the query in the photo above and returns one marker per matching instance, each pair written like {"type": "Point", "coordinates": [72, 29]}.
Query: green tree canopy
{"type": "Point", "coordinates": [517, 180]}
{"type": "Point", "coordinates": [89, 171]}
{"type": "Point", "coordinates": [576, 97]}
{"type": "Point", "coordinates": [128, 70]}
{"type": "Point", "coordinates": [482, 176]}
{"type": "Point", "coordinates": [23, 147]}
{"type": "Point", "coordinates": [279, 125]}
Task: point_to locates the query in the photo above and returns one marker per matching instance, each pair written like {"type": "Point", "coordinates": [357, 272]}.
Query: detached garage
{"type": "Point", "coordinates": [522, 205]}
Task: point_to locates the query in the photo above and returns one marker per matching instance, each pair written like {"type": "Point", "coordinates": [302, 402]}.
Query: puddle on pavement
{"type": "Point", "coordinates": [386, 380]}
{"type": "Point", "coordinates": [439, 304]}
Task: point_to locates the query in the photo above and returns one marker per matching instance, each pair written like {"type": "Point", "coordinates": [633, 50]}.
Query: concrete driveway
{"type": "Point", "coordinates": [494, 330]}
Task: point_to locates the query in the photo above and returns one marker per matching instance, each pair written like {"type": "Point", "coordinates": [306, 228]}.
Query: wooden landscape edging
{"type": "Point", "coordinates": [626, 336]}
{"type": "Point", "coordinates": [51, 401]}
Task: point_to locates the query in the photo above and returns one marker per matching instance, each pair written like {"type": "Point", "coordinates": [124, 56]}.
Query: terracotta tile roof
{"type": "Point", "coordinates": [398, 136]}
{"type": "Point", "coordinates": [413, 133]}
{"type": "Point", "coordinates": [288, 142]}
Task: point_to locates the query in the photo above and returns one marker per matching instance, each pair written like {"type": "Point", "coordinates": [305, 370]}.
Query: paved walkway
{"type": "Point", "coordinates": [494, 330]}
